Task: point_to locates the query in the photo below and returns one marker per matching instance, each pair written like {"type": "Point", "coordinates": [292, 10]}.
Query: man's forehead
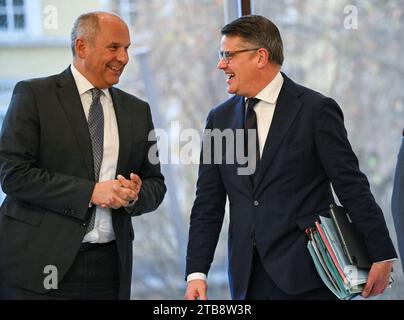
{"type": "Point", "coordinates": [109, 23]}
{"type": "Point", "coordinates": [230, 41]}
{"type": "Point", "coordinates": [114, 32]}
{"type": "Point", "coordinates": [105, 17]}
{"type": "Point", "coordinates": [112, 23]}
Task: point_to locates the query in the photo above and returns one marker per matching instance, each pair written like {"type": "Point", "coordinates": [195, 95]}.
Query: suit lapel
{"type": "Point", "coordinates": [238, 123]}
{"type": "Point", "coordinates": [287, 108]}
{"type": "Point", "coordinates": [69, 99]}
{"type": "Point", "coordinates": [123, 119]}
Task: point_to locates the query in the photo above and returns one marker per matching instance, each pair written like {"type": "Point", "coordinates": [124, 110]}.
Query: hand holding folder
{"type": "Point", "coordinates": [340, 256]}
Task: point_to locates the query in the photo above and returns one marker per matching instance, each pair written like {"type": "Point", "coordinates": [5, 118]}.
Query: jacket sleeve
{"type": "Point", "coordinates": [207, 212]}
{"type": "Point", "coordinates": [350, 184]}
{"type": "Point", "coordinates": [22, 178]}
{"type": "Point", "coordinates": [397, 201]}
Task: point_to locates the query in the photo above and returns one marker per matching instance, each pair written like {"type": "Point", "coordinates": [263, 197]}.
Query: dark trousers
{"type": "Point", "coordinates": [92, 276]}
{"type": "Point", "coordinates": [262, 287]}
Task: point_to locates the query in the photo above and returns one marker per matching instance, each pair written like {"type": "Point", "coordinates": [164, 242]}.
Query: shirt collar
{"type": "Point", "coordinates": [271, 92]}
{"type": "Point", "coordinates": [83, 85]}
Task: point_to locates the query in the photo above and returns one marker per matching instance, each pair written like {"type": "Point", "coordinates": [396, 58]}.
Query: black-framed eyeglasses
{"type": "Point", "coordinates": [227, 55]}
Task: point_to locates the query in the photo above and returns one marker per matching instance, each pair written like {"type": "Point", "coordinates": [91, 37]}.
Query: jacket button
{"type": "Point", "coordinates": [256, 203]}
{"type": "Point", "coordinates": [83, 225]}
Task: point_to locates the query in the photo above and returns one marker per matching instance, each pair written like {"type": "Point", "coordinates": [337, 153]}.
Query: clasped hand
{"type": "Point", "coordinates": [116, 193]}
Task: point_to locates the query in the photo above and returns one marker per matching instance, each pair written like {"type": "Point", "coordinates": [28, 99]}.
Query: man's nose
{"type": "Point", "coordinates": [221, 64]}
{"type": "Point", "coordinates": [123, 56]}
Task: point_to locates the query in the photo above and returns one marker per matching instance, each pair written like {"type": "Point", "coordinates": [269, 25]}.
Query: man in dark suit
{"type": "Point", "coordinates": [74, 166]}
{"type": "Point", "coordinates": [302, 148]}
{"type": "Point", "coordinates": [397, 201]}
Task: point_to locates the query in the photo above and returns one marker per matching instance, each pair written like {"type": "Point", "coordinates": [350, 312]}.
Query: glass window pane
{"type": "Point", "coordinates": [182, 38]}
{"type": "Point", "coordinates": [352, 51]}
{"type": "Point", "coordinates": [18, 3]}
{"type": "Point", "coordinates": [2, 3]}
{"type": "Point", "coordinates": [19, 21]}
{"type": "Point", "coordinates": [3, 22]}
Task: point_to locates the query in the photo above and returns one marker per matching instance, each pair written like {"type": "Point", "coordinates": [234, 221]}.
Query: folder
{"type": "Point", "coordinates": [327, 260]}
{"type": "Point", "coordinates": [352, 244]}
{"type": "Point", "coordinates": [339, 254]}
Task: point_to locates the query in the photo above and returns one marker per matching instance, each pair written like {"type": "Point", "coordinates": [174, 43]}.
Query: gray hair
{"type": "Point", "coordinates": [258, 31]}
{"type": "Point", "coordinates": [86, 26]}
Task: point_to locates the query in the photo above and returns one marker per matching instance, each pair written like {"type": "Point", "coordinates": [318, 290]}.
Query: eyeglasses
{"type": "Point", "coordinates": [227, 55]}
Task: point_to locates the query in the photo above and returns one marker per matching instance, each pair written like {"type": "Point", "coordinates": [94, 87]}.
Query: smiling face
{"type": "Point", "coordinates": [242, 68]}
{"type": "Point", "coordinates": [103, 59]}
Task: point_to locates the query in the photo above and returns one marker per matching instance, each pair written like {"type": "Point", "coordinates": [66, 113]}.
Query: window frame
{"type": "Point", "coordinates": [32, 11]}
{"type": "Point", "coordinates": [10, 11]}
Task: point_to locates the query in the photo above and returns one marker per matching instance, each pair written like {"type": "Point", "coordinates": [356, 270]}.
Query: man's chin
{"type": "Point", "coordinates": [113, 80]}
{"type": "Point", "coordinates": [231, 90]}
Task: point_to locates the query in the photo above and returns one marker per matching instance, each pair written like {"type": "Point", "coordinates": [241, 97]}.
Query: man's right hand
{"type": "Point", "coordinates": [106, 196]}
{"type": "Point", "coordinates": [196, 289]}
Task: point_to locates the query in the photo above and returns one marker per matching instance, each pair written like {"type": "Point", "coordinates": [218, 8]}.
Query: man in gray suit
{"type": "Point", "coordinates": [74, 166]}
{"type": "Point", "coordinates": [397, 201]}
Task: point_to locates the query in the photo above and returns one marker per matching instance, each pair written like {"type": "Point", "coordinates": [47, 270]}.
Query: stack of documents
{"type": "Point", "coordinates": [343, 278]}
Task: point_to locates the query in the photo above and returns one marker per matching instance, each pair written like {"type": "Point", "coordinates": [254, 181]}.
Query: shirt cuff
{"type": "Point", "coordinates": [394, 259]}
{"type": "Point", "coordinates": [130, 206]}
{"type": "Point", "coordinates": [196, 276]}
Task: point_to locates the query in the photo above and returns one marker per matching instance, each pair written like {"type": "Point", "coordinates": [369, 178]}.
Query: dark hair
{"type": "Point", "coordinates": [86, 26]}
{"type": "Point", "coordinates": [260, 32]}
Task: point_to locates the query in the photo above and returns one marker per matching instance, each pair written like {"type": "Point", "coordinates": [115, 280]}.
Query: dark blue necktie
{"type": "Point", "coordinates": [96, 128]}
{"type": "Point", "coordinates": [250, 123]}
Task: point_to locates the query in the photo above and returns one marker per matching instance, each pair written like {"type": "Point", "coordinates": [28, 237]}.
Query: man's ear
{"type": "Point", "coordinates": [263, 57]}
{"type": "Point", "coordinates": [81, 48]}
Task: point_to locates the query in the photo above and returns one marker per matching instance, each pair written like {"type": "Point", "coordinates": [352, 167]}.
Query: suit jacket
{"type": "Point", "coordinates": [306, 148]}
{"type": "Point", "coordinates": [397, 201]}
{"type": "Point", "coordinates": [46, 170]}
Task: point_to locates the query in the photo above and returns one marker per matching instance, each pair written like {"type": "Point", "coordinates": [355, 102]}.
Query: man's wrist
{"type": "Point", "coordinates": [196, 276]}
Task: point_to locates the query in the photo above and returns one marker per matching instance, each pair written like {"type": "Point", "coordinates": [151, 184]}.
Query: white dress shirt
{"type": "Point", "coordinates": [265, 108]}
{"type": "Point", "coordinates": [103, 230]}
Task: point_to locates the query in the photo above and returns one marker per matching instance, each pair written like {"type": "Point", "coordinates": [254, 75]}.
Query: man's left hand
{"type": "Point", "coordinates": [378, 279]}
{"type": "Point", "coordinates": [134, 184]}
